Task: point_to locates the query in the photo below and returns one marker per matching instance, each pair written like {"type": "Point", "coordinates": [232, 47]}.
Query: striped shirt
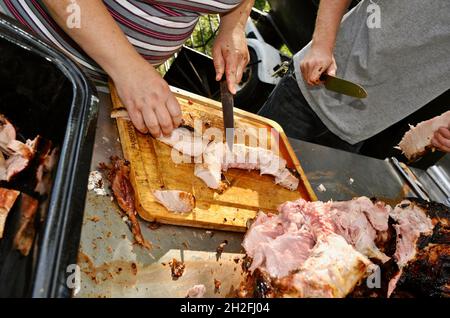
{"type": "Point", "coordinates": [156, 28]}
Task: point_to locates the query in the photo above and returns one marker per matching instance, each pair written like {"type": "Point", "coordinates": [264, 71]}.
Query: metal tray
{"type": "Point", "coordinates": [43, 92]}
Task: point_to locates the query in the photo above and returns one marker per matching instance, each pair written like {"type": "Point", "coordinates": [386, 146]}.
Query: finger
{"type": "Point", "coordinates": [439, 146]}
{"type": "Point", "coordinates": [316, 73]}
{"type": "Point", "coordinates": [230, 71]}
{"type": "Point", "coordinates": [174, 110]}
{"type": "Point", "coordinates": [138, 120]}
{"type": "Point", "coordinates": [332, 69]}
{"type": "Point", "coordinates": [164, 119]}
{"type": "Point", "coordinates": [445, 132]}
{"type": "Point", "coordinates": [442, 140]}
{"type": "Point", "coordinates": [151, 122]}
{"type": "Point", "coordinates": [304, 71]}
{"type": "Point", "coordinates": [219, 64]}
{"type": "Point", "coordinates": [240, 72]}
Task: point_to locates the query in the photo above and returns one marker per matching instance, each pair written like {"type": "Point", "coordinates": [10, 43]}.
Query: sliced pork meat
{"type": "Point", "coordinates": [417, 141]}
{"type": "Point", "coordinates": [211, 175]}
{"type": "Point", "coordinates": [7, 199]}
{"type": "Point", "coordinates": [118, 174]}
{"type": "Point", "coordinates": [24, 238]}
{"type": "Point", "coordinates": [175, 200]}
{"type": "Point", "coordinates": [217, 157]}
{"type": "Point", "coordinates": [185, 141]}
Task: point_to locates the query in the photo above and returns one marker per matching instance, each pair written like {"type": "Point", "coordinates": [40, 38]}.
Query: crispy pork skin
{"type": "Point", "coordinates": [118, 174]}
{"type": "Point", "coordinates": [24, 238]}
{"type": "Point", "coordinates": [7, 199]}
{"type": "Point", "coordinates": [175, 200]}
{"type": "Point", "coordinates": [417, 141]}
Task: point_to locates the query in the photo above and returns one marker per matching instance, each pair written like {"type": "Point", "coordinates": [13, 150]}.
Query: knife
{"type": "Point", "coordinates": [228, 113]}
{"type": "Point", "coordinates": [342, 86]}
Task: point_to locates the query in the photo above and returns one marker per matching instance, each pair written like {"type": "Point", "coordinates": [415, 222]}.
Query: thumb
{"type": "Point", "coordinates": [332, 69]}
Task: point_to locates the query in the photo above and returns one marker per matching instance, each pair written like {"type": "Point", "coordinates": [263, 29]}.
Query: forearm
{"type": "Point", "coordinates": [328, 21]}
{"type": "Point", "coordinates": [237, 17]}
{"type": "Point", "coordinates": [99, 35]}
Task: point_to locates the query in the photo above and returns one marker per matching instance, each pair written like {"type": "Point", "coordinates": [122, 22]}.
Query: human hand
{"type": "Point", "coordinates": [151, 105]}
{"type": "Point", "coordinates": [316, 62]}
{"type": "Point", "coordinates": [441, 139]}
{"type": "Point", "coordinates": [230, 55]}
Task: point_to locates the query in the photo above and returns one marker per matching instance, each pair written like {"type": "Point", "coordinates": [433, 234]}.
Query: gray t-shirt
{"type": "Point", "coordinates": [403, 65]}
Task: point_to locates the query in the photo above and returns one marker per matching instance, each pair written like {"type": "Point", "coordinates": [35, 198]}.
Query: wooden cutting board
{"type": "Point", "coordinates": [152, 167]}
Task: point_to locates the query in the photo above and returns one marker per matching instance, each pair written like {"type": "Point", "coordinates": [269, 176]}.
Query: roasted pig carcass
{"type": "Point", "coordinates": [175, 200]}
{"type": "Point", "coordinates": [417, 141]}
{"type": "Point", "coordinates": [7, 199]}
{"type": "Point", "coordinates": [313, 249]}
{"type": "Point", "coordinates": [24, 238]}
{"type": "Point", "coordinates": [118, 174]}
{"type": "Point", "coordinates": [317, 249]}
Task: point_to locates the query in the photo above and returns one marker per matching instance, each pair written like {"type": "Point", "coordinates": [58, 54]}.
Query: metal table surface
{"type": "Point", "coordinates": [112, 266]}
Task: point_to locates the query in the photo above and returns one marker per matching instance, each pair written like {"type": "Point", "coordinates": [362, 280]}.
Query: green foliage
{"type": "Point", "coordinates": [202, 39]}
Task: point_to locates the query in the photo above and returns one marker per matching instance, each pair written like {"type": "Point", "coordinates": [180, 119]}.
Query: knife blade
{"type": "Point", "coordinates": [342, 86]}
{"type": "Point", "coordinates": [228, 113]}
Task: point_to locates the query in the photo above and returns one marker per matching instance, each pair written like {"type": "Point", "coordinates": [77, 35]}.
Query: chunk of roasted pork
{"type": "Point", "coordinates": [118, 174]}
{"type": "Point", "coordinates": [332, 270]}
{"type": "Point", "coordinates": [15, 155]}
{"type": "Point", "coordinates": [7, 199]}
{"type": "Point", "coordinates": [175, 200]}
{"type": "Point", "coordinates": [24, 238]}
{"type": "Point", "coordinates": [417, 141]}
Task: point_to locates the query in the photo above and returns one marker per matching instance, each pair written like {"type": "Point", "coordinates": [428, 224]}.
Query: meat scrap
{"type": "Point", "coordinates": [175, 200]}
{"type": "Point", "coordinates": [197, 291]}
{"type": "Point", "coordinates": [24, 238]}
{"type": "Point", "coordinates": [176, 268]}
{"type": "Point", "coordinates": [217, 284]}
{"type": "Point", "coordinates": [220, 248]}
{"type": "Point", "coordinates": [7, 200]}
{"type": "Point", "coordinates": [417, 141]}
{"type": "Point", "coordinates": [118, 174]}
